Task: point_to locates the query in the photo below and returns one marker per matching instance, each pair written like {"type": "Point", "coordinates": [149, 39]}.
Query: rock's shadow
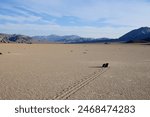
{"type": "Point", "coordinates": [95, 67]}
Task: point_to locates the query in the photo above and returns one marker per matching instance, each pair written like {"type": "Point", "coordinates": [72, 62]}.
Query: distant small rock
{"type": "Point", "coordinates": [84, 52]}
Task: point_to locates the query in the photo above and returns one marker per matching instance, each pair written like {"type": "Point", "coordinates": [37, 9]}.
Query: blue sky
{"type": "Point", "coordinates": [87, 18]}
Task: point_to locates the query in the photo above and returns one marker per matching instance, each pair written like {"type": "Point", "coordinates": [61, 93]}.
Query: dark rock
{"type": "Point", "coordinates": [105, 65]}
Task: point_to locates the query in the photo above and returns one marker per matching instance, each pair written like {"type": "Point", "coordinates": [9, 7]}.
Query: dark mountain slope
{"type": "Point", "coordinates": [8, 38]}
{"type": "Point", "coordinates": [137, 35]}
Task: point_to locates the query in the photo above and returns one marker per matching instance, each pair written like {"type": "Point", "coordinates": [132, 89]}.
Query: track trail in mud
{"type": "Point", "coordinates": [67, 92]}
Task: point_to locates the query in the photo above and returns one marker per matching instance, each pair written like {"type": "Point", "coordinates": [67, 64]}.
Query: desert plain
{"type": "Point", "coordinates": [72, 71]}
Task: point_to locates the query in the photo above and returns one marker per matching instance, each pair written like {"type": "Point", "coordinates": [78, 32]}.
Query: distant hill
{"type": "Point", "coordinates": [8, 38]}
{"type": "Point", "coordinates": [137, 36]}
{"type": "Point", "coordinates": [55, 38]}
{"type": "Point", "coordinates": [69, 39]}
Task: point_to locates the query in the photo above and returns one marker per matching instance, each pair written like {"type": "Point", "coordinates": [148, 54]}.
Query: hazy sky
{"type": "Point", "coordinates": [88, 18]}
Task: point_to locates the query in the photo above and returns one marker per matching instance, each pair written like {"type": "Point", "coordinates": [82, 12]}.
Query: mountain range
{"type": "Point", "coordinates": [140, 35]}
{"type": "Point", "coordinates": [14, 38]}
{"type": "Point", "coordinates": [68, 39]}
